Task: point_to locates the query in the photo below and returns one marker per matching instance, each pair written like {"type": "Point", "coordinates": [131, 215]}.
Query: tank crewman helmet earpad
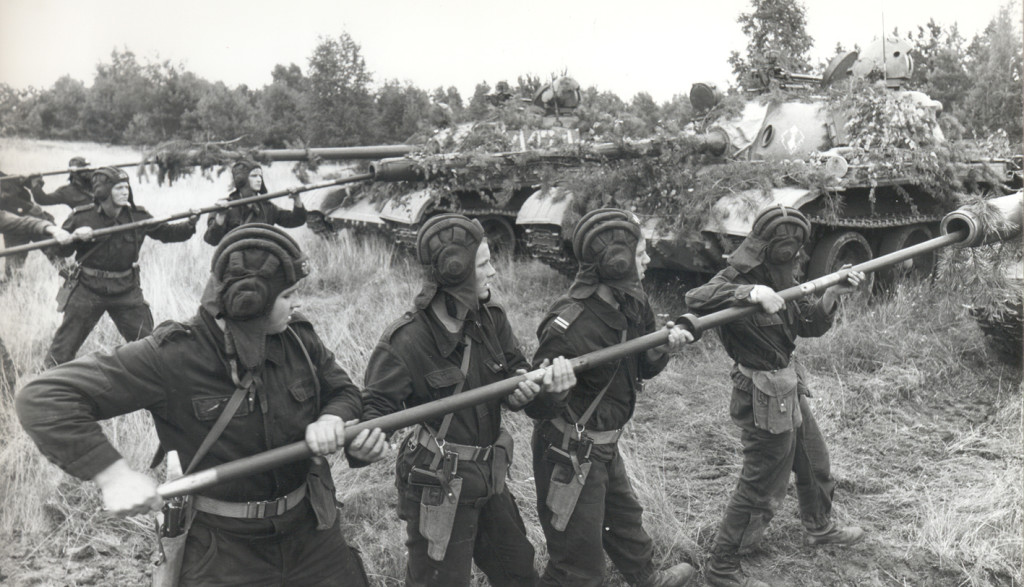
{"type": "Point", "coordinates": [607, 238]}
{"type": "Point", "coordinates": [254, 263]}
{"type": "Point", "coordinates": [447, 244]}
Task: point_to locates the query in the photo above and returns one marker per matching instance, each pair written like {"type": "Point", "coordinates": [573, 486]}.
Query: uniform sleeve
{"type": "Point", "coordinates": [14, 224]}
{"type": "Point", "coordinates": [387, 382]}
{"type": "Point", "coordinates": [552, 344]}
{"type": "Point", "coordinates": [812, 319]}
{"type": "Point", "coordinates": [214, 232]}
{"type": "Point", "coordinates": [57, 197]}
{"type": "Point", "coordinates": [719, 293]}
{"type": "Point", "coordinates": [172, 232]}
{"type": "Point", "coordinates": [61, 409]}
{"type": "Point", "coordinates": [288, 218]}
{"type": "Point", "coordinates": [649, 368]}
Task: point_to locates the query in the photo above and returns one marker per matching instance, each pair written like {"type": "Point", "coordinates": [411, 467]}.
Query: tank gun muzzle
{"type": "Point", "coordinates": [988, 221]}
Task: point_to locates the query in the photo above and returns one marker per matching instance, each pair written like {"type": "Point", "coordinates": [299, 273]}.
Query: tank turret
{"type": "Point", "coordinates": [828, 145]}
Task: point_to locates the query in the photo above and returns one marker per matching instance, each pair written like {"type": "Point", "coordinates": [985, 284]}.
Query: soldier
{"type": "Point", "coordinates": [247, 360]}
{"type": "Point", "coordinates": [247, 176]}
{"type": "Point", "coordinates": [779, 434]}
{"type": "Point", "coordinates": [23, 225]}
{"type": "Point", "coordinates": [16, 198]}
{"type": "Point", "coordinates": [585, 500]}
{"type": "Point", "coordinates": [108, 279]}
{"type": "Point", "coordinates": [451, 471]}
{"type": "Point", "coordinates": [77, 192]}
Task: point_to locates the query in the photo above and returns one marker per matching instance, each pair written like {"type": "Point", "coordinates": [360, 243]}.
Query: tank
{"type": "Point", "coordinates": [862, 157]}
{"type": "Point", "coordinates": [402, 197]}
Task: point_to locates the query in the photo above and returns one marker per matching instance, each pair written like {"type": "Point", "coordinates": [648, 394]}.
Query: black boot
{"type": "Point", "coordinates": [725, 571]}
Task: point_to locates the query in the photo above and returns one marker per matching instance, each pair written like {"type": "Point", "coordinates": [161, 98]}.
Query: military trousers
{"type": "Point", "coordinates": [128, 310]}
{"type": "Point", "coordinates": [768, 460]}
{"type": "Point", "coordinates": [284, 550]}
{"type": "Point", "coordinates": [607, 519]}
{"type": "Point", "coordinates": [489, 531]}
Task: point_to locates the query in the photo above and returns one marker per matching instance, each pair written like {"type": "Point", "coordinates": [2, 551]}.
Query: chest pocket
{"type": "Point", "coordinates": [209, 408]}
{"type": "Point", "coordinates": [443, 381]}
{"type": "Point", "coordinates": [302, 390]}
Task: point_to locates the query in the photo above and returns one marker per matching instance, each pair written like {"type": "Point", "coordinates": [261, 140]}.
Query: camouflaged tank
{"type": "Point", "coordinates": [870, 205]}
{"type": "Point", "coordinates": [395, 211]}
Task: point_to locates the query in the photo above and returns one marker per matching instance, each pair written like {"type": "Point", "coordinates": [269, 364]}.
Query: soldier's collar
{"type": "Point", "coordinates": [606, 312]}
{"type": "Point", "coordinates": [444, 339]}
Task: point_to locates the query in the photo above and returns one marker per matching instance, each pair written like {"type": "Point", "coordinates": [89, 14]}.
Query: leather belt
{"type": "Point", "coordinates": [595, 436]}
{"type": "Point", "coordinates": [108, 274]}
{"type": "Point", "coordinates": [465, 452]}
{"type": "Point", "coordinates": [250, 509]}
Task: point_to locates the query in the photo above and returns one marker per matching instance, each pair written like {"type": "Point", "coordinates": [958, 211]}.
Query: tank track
{"type": "Point", "coordinates": [876, 221]}
{"type": "Point", "coordinates": [543, 244]}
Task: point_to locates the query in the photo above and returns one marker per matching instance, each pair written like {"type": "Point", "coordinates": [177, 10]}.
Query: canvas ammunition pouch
{"type": "Point", "coordinates": [774, 398]}
{"type": "Point", "coordinates": [110, 283]}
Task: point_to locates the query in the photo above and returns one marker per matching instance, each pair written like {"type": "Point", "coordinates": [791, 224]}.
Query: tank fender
{"type": "Point", "coordinates": [734, 214]}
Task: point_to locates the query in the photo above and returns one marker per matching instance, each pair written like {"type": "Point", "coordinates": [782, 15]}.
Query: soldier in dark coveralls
{"type": "Point", "coordinates": [585, 501]}
{"type": "Point", "coordinates": [451, 470]}
{"type": "Point", "coordinates": [246, 342]}
{"type": "Point", "coordinates": [24, 225]}
{"type": "Point", "coordinates": [247, 177]}
{"type": "Point", "coordinates": [109, 278]}
{"type": "Point", "coordinates": [77, 192]}
{"type": "Point", "coordinates": [779, 433]}
{"type": "Point", "coordinates": [16, 195]}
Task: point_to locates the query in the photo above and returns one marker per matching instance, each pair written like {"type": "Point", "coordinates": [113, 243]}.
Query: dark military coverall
{"type": "Point", "coordinates": [265, 212]}
{"type": "Point", "coordinates": [109, 281]}
{"type": "Point", "coordinates": [416, 361]}
{"type": "Point", "coordinates": [766, 342]}
{"type": "Point", "coordinates": [70, 194]}
{"type": "Point", "coordinates": [607, 516]}
{"type": "Point", "coordinates": [14, 224]}
{"type": "Point", "coordinates": [180, 375]}
{"type": "Point", "coordinates": [17, 200]}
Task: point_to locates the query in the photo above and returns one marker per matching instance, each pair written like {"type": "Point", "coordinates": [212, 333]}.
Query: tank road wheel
{"type": "Point", "coordinates": [837, 249]}
{"type": "Point", "coordinates": [501, 237]}
{"type": "Point", "coordinates": [919, 267]}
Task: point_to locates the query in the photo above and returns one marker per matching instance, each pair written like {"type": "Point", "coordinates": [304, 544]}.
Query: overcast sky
{"type": "Point", "coordinates": [627, 46]}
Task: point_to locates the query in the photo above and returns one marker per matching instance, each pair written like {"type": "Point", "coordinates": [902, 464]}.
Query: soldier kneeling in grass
{"type": "Point", "coordinates": [769, 402]}
{"type": "Point", "coordinates": [245, 375]}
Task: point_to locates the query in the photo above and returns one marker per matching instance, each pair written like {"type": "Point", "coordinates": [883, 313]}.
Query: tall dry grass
{"type": "Point", "coordinates": [923, 425]}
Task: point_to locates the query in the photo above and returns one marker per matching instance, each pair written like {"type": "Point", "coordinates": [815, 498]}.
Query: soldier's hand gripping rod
{"type": "Point", "coordinates": [959, 227]}
{"type": "Point", "coordinates": [195, 212]}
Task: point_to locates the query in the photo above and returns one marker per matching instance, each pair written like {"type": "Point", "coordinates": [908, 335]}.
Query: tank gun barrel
{"type": "Point", "coordinates": [1007, 210]}
{"type": "Point", "coordinates": [715, 142]}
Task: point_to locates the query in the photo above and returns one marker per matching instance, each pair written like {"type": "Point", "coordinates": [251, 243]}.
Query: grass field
{"type": "Point", "coordinates": [923, 425]}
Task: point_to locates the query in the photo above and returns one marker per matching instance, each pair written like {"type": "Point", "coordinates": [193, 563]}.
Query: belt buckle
{"type": "Point", "coordinates": [585, 444]}
{"type": "Point", "coordinates": [255, 509]}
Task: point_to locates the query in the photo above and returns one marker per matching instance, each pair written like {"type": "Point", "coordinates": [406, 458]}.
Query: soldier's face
{"type": "Point", "coordinates": [484, 271]}
{"type": "Point", "coordinates": [119, 194]}
{"type": "Point", "coordinates": [256, 179]}
{"type": "Point", "coordinates": [642, 259]}
{"type": "Point", "coordinates": [285, 304]}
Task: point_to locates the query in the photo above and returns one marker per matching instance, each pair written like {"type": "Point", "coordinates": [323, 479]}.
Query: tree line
{"type": "Point", "coordinates": [334, 102]}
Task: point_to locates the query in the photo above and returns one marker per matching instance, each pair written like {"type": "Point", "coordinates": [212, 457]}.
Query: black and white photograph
{"type": "Point", "coordinates": [448, 293]}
